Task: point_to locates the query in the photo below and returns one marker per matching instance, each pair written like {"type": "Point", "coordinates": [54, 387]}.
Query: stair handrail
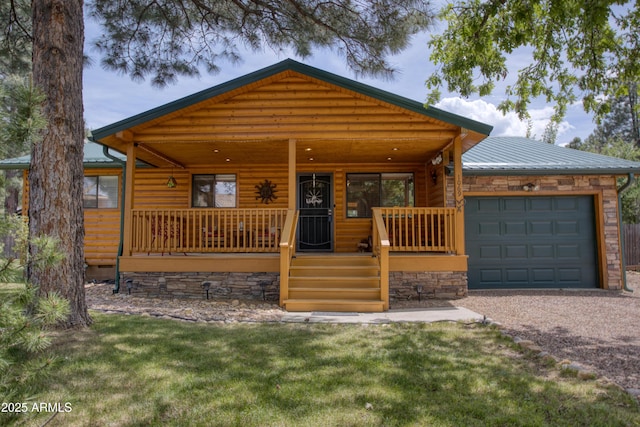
{"type": "Point", "coordinates": [287, 251]}
{"type": "Point", "coordinates": [380, 241]}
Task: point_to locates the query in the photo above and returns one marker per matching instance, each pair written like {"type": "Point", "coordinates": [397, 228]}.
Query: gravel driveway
{"type": "Point", "coordinates": [599, 329]}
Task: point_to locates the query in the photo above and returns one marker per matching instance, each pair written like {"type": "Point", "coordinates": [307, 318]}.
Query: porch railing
{"type": "Point", "coordinates": [206, 230]}
{"type": "Point", "coordinates": [420, 229]}
{"type": "Point", "coordinates": [381, 247]}
{"type": "Point", "coordinates": [287, 251]}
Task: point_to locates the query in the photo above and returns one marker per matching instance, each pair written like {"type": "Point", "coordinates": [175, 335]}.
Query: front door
{"type": "Point", "coordinates": [315, 226]}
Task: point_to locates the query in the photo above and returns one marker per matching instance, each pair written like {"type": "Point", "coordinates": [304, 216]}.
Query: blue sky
{"type": "Point", "coordinates": [109, 97]}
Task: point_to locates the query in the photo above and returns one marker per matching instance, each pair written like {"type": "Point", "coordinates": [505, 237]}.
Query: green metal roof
{"type": "Point", "coordinates": [516, 156]}
{"type": "Point", "coordinates": [93, 158]}
{"type": "Point", "coordinates": [286, 65]}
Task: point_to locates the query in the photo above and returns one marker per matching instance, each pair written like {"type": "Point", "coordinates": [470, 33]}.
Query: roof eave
{"type": "Point", "coordinates": [540, 172]}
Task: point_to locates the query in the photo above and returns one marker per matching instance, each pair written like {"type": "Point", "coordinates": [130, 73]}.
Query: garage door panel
{"type": "Point", "coordinates": [543, 275]}
{"type": "Point", "coordinates": [546, 242]}
{"type": "Point", "coordinates": [514, 205]}
{"type": "Point", "coordinates": [490, 252]}
{"type": "Point", "coordinates": [515, 228]}
{"type": "Point", "coordinates": [568, 228]}
{"type": "Point", "coordinates": [486, 205]}
{"type": "Point", "coordinates": [542, 251]}
{"type": "Point", "coordinates": [540, 204]}
{"type": "Point", "coordinates": [541, 228]}
{"type": "Point", "coordinates": [517, 275]}
{"type": "Point", "coordinates": [493, 276]}
{"type": "Point", "coordinates": [518, 252]}
{"type": "Point", "coordinates": [570, 252]}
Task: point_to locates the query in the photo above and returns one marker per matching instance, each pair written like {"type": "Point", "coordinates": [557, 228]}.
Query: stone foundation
{"type": "Point", "coordinates": [249, 286]}
{"type": "Point", "coordinates": [403, 285]}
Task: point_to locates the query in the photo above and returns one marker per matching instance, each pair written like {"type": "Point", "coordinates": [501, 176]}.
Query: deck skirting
{"type": "Point", "coordinates": [403, 286]}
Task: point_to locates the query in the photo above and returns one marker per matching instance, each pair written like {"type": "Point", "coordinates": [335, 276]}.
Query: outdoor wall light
{"type": "Point", "coordinates": [129, 283]}
{"type": "Point", "coordinates": [530, 187]}
{"type": "Point", "coordinates": [419, 291]}
{"type": "Point", "coordinates": [206, 286]}
{"type": "Point", "coordinates": [171, 183]}
{"type": "Point", "coordinates": [263, 286]}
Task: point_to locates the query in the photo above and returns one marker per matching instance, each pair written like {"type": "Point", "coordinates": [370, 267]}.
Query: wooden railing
{"type": "Point", "coordinates": [420, 229]}
{"type": "Point", "coordinates": [206, 230]}
{"type": "Point", "coordinates": [287, 251]}
{"type": "Point", "coordinates": [380, 241]}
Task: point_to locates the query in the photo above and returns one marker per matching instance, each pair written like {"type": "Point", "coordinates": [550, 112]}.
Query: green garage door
{"type": "Point", "coordinates": [531, 242]}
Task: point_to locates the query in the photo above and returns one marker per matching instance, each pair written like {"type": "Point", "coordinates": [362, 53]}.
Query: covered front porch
{"type": "Point", "coordinates": [283, 173]}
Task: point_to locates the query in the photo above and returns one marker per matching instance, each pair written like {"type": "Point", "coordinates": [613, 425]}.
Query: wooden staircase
{"type": "Point", "coordinates": [334, 282]}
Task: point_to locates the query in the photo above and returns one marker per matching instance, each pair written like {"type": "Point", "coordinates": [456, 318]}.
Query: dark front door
{"type": "Point", "coordinates": [315, 226]}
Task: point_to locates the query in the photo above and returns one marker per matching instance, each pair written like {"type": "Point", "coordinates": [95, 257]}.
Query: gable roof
{"type": "Point", "coordinates": [517, 155]}
{"type": "Point", "coordinates": [291, 65]}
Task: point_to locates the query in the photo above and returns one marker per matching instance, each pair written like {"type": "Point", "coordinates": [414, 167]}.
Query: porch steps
{"type": "Point", "coordinates": [341, 283]}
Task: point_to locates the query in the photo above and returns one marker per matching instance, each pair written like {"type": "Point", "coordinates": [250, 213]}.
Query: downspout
{"type": "Point", "coordinates": [105, 151]}
{"type": "Point", "coordinates": [622, 242]}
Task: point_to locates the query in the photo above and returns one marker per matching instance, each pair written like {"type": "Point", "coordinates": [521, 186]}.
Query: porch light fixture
{"type": "Point", "coordinates": [530, 187]}
{"type": "Point", "coordinates": [434, 176]}
{"type": "Point", "coordinates": [206, 286]}
{"type": "Point", "coordinates": [437, 159]}
{"type": "Point", "coordinates": [171, 183]}
{"type": "Point", "coordinates": [419, 291]}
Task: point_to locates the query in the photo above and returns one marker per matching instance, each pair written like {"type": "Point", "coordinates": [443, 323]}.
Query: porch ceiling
{"type": "Point", "coordinates": [193, 154]}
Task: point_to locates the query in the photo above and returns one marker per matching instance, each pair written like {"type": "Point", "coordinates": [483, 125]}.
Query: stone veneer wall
{"type": "Point", "coordinates": [402, 285]}
{"type": "Point", "coordinates": [435, 284]}
{"type": "Point", "coordinates": [561, 185]}
{"type": "Point", "coordinates": [190, 285]}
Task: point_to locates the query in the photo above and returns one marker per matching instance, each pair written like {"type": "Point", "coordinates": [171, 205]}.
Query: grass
{"type": "Point", "coordinates": [141, 371]}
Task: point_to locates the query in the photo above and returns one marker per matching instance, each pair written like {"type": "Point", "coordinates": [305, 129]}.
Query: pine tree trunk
{"type": "Point", "coordinates": [56, 171]}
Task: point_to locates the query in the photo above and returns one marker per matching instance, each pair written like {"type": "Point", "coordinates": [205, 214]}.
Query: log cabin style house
{"type": "Point", "coordinates": [299, 185]}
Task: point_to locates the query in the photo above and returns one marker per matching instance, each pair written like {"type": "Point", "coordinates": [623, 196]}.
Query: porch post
{"type": "Point", "coordinates": [292, 175]}
{"type": "Point", "coordinates": [128, 198]}
{"type": "Point", "coordinates": [458, 194]}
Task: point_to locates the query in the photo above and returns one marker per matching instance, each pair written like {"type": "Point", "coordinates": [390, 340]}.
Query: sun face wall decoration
{"type": "Point", "coordinates": [266, 192]}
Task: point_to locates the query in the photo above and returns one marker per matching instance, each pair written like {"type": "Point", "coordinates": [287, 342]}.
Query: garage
{"type": "Point", "coordinates": [531, 242]}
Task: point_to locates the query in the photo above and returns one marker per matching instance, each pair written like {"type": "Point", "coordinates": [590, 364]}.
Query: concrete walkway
{"type": "Point", "coordinates": [426, 315]}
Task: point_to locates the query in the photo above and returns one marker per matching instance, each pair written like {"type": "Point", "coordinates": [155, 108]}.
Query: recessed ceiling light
{"type": "Point", "coordinates": [228, 159]}
{"type": "Point", "coordinates": [215, 150]}
{"type": "Point", "coordinates": [388, 158]}
{"type": "Point", "coordinates": [307, 149]}
{"type": "Point", "coordinates": [311, 159]}
{"type": "Point", "coordinates": [395, 148]}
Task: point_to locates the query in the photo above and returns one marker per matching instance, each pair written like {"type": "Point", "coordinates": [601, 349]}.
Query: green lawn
{"type": "Point", "coordinates": [139, 371]}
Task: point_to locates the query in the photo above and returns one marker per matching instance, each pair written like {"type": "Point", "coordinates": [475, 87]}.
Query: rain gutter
{"type": "Point", "coordinates": [122, 163]}
{"type": "Point", "coordinates": [624, 186]}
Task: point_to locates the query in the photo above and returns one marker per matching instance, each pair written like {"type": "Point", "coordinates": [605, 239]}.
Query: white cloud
{"type": "Point", "coordinates": [503, 124]}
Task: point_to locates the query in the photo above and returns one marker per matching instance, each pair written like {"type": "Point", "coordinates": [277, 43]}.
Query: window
{"type": "Point", "coordinates": [370, 190]}
{"type": "Point", "coordinates": [210, 191]}
{"type": "Point", "coordinates": [100, 192]}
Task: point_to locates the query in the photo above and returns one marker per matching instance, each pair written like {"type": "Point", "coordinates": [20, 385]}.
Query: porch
{"type": "Point", "coordinates": [410, 249]}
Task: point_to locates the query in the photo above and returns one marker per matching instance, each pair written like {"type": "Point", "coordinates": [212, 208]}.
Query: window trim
{"type": "Point", "coordinates": [192, 190]}
{"type": "Point", "coordinates": [98, 176]}
{"type": "Point", "coordinates": [380, 179]}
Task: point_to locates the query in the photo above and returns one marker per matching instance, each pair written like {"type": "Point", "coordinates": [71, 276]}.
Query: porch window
{"type": "Point", "coordinates": [100, 192]}
{"type": "Point", "coordinates": [370, 190]}
{"type": "Point", "coordinates": [209, 191]}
